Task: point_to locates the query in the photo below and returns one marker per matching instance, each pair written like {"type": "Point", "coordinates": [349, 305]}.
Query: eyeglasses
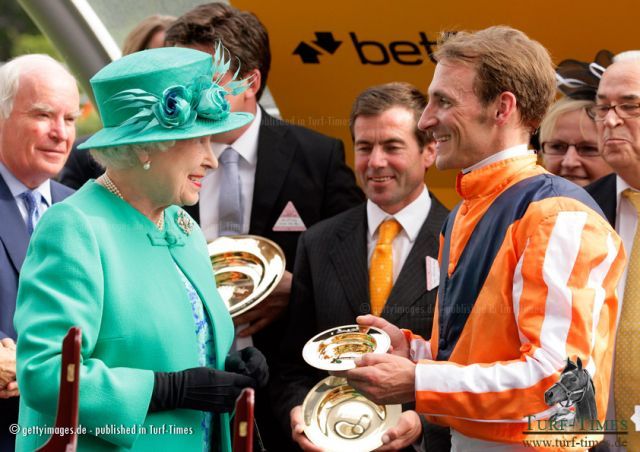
{"type": "Point", "coordinates": [561, 148]}
{"type": "Point", "coordinates": [624, 111]}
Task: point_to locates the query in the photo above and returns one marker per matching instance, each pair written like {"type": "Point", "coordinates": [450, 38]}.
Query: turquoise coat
{"type": "Point", "coordinates": [97, 263]}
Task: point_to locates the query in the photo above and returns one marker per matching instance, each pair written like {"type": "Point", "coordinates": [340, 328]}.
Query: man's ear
{"type": "Point", "coordinates": [505, 106]}
{"type": "Point", "coordinates": [256, 77]}
{"type": "Point", "coordinates": [428, 154]}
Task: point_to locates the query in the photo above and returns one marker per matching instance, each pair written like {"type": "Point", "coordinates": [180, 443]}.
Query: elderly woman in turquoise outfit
{"type": "Point", "coordinates": [122, 261]}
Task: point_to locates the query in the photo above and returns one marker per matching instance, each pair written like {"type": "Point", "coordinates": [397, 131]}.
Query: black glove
{"type": "Point", "coordinates": [199, 388]}
{"type": "Point", "coordinates": [249, 362]}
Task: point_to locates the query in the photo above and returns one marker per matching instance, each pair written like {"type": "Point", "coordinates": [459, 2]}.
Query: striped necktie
{"type": "Point", "coordinates": [32, 199]}
{"type": "Point", "coordinates": [626, 381]}
{"type": "Point", "coordinates": [381, 268]}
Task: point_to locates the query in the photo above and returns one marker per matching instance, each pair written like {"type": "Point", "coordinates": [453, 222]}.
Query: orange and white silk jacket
{"type": "Point", "coordinates": [549, 294]}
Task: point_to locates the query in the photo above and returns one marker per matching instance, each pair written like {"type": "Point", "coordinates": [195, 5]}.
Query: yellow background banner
{"type": "Point", "coordinates": [383, 41]}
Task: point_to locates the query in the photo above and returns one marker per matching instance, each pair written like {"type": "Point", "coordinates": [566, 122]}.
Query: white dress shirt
{"type": "Point", "coordinates": [247, 146]}
{"type": "Point", "coordinates": [410, 218]}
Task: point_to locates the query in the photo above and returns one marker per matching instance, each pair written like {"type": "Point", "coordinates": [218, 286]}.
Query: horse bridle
{"type": "Point", "coordinates": [582, 391]}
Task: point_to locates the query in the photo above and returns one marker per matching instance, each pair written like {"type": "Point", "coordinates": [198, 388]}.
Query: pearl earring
{"type": "Point", "coordinates": [146, 165]}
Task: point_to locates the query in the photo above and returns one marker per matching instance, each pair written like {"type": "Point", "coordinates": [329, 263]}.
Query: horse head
{"type": "Point", "coordinates": [572, 386]}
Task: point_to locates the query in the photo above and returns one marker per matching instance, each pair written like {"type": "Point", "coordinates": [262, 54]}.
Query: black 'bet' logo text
{"type": "Point", "coordinates": [369, 51]}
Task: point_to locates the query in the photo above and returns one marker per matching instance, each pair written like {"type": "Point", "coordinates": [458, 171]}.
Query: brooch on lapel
{"type": "Point", "coordinates": [184, 222]}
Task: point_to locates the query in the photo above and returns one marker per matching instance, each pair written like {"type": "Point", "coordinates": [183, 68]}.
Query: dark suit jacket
{"type": "Point", "coordinates": [307, 168]}
{"type": "Point", "coordinates": [331, 287]}
{"type": "Point", "coordinates": [14, 240]}
{"type": "Point", "coordinates": [604, 192]}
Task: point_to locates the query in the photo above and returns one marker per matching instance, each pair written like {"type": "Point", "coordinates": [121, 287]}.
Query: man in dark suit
{"type": "Point", "coordinates": [332, 281]}
{"type": "Point", "coordinates": [617, 116]}
{"type": "Point", "coordinates": [38, 108]}
{"type": "Point", "coordinates": [290, 177]}
{"type": "Point", "coordinates": [80, 166]}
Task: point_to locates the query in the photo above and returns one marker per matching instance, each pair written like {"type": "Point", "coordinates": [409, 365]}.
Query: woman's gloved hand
{"type": "Point", "coordinates": [249, 362]}
{"type": "Point", "coordinates": [200, 388]}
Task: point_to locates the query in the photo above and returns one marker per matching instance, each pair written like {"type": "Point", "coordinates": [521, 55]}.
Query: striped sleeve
{"type": "Point", "coordinates": [418, 347]}
{"type": "Point", "coordinates": [563, 297]}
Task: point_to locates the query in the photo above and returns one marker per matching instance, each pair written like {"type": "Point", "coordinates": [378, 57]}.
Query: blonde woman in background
{"type": "Point", "coordinates": [568, 143]}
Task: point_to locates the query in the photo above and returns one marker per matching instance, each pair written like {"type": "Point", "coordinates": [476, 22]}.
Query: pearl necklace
{"type": "Point", "coordinates": [107, 183]}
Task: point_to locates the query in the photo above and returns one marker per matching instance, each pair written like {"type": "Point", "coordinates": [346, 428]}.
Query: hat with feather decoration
{"type": "Point", "coordinates": [165, 94]}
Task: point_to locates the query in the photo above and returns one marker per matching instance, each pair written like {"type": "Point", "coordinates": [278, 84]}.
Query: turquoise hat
{"type": "Point", "coordinates": [164, 94]}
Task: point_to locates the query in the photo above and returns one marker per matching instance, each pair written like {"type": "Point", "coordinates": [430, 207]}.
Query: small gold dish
{"type": "Point", "coordinates": [247, 268]}
{"type": "Point", "coordinates": [346, 346]}
{"type": "Point", "coordinates": [336, 348]}
{"type": "Point", "coordinates": [339, 418]}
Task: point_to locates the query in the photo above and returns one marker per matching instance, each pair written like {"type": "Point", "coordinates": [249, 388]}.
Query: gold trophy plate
{"type": "Point", "coordinates": [247, 268]}
{"type": "Point", "coordinates": [339, 418]}
{"type": "Point", "coordinates": [336, 348]}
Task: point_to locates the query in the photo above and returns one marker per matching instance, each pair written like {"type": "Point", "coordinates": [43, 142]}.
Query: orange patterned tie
{"type": "Point", "coordinates": [627, 366]}
{"type": "Point", "coordinates": [381, 269]}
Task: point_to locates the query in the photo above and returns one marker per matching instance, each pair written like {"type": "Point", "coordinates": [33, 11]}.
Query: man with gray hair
{"type": "Point", "coordinates": [627, 55]}
{"type": "Point", "coordinates": [39, 103]}
{"type": "Point", "coordinates": [617, 117]}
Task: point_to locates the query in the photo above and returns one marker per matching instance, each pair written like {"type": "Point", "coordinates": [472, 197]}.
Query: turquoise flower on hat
{"type": "Point", "coordinates": [213, 103]}
{"type": "Point", "coordinates": [180, 106]}
{"type": "Point", "coordinates": [174, 109]}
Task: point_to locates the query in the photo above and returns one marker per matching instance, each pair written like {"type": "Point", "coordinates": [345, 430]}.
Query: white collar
{"type": "Point", "coordinates": [621, 186]}
{"type": "Point", "coordinates": [515, 151]}
{"type": "Point", "coordinates": [411, 217]}
{"type": "Point", "coordinates": [17, 188]}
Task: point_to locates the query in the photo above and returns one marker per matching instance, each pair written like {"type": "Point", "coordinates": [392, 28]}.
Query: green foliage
{"type": "Point", "coordinates": [28, 43]}
{"type": "Point", "coordinates": [20, 36]}
{"type": "Point", "coordinates": [14, 22]}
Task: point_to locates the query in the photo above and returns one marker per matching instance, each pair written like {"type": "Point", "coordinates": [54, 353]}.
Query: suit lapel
{"type": "Point", "coordinates": [605, 196]}
{"type": "Point", "coordinates": [13, 231]}
{"type": "Point", "coordinates": [274, 159]}
{"type": "Point", "coordinates": [412, 281]}
{"type": "Point", "coordinates": [59, 192]}
{"type": "Point", "coordinates": [349, 258]}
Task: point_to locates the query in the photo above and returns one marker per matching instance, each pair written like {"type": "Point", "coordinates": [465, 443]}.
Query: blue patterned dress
{"type": "Point", "coordinates": [206, 351]}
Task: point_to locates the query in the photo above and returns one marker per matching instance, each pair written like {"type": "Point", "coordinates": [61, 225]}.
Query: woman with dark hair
{"type": "Point", "coordinates": [148, 34]}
